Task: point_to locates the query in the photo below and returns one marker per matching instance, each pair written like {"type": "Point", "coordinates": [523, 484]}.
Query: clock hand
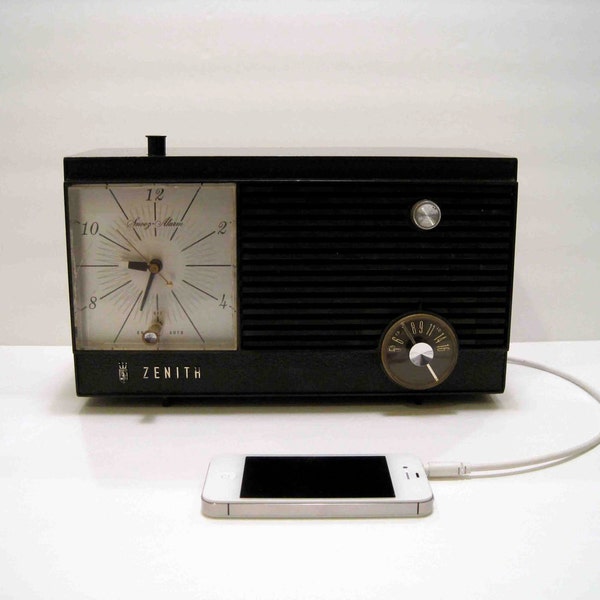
{"type": "Point", "coordinates": [148, 262]}
{"type": "Point", "coordinates": [137, 265]}
{"type": "Point", "coordinates": [147, 290]}
{"type": "Point", "coordinates": [154, 266]}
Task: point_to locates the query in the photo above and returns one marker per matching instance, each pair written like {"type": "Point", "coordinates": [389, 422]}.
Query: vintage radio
{"type": "Point", "coordinates": [289, 273]}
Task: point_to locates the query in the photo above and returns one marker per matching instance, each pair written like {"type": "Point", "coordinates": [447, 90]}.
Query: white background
{"type": "Point", "coordinates": [101, 498]}
{"type": "Point", "coordinates": [517, 77]}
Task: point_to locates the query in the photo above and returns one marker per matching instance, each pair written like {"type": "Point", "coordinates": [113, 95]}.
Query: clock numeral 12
{"type": "Point", "coordinates": [158, 194]}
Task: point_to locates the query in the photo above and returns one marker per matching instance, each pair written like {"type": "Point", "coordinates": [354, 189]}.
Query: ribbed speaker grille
{"type": "Point", "coordinates": [330, 265]}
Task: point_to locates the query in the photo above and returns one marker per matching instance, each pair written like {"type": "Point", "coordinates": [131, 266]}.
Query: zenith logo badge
{"type": "Point", "coordinates": [123, 372]}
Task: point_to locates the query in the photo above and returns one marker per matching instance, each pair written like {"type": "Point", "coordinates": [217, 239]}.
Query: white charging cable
{"type": "Point", "coordinates": [460, 470]}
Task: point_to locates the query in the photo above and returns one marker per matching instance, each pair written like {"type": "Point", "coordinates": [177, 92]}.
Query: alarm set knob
{"type": "Point", "coordinates": [419, 351]}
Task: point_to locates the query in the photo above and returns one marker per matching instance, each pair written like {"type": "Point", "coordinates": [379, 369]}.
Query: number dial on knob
{"type": "Point", "coordinates": [419, 351]}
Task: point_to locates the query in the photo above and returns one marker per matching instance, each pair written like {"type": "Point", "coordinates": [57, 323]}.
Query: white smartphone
{"type": "Point", "coordinates": [316, 487]}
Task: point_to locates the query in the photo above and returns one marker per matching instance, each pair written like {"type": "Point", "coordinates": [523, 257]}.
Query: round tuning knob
{"type": "Point", "coordinates": [419, 351]}
{"type": "Point", "coordinates": [426, 214]}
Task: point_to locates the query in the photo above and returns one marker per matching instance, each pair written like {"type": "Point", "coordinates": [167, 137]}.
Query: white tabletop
{"type": "Point", "coordinates": [100, 499]}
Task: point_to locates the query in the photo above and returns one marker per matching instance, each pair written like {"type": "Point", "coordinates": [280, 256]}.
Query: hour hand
{"type": "Point", "coordinates": [137, 265]}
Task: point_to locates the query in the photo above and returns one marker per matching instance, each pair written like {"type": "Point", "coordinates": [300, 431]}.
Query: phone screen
{"type": "Point", "coordinates": [316, 477]}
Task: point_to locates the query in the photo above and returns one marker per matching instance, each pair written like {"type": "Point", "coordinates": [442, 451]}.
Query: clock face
{"type": "Point", "coordinates": [153, 266]}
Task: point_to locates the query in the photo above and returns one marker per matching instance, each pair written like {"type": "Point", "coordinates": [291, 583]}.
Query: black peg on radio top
{"type": "Point", "coordinates": [157, 145]}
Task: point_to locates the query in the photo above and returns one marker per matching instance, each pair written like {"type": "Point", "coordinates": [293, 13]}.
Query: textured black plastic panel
{"type": "Point", "coordinates": [329, 265]}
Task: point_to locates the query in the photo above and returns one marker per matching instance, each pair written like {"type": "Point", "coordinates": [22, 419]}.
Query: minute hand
{"type": "Point", "coordinates": [147, 290]}
{"type": "Point", "coordinates": [154, 267]}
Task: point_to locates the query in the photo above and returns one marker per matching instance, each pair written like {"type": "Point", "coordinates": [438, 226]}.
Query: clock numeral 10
{"type": "Point", "coordinates": [90, 228]}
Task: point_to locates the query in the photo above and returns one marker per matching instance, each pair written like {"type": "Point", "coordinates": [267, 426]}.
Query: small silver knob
{"type": "Point", "coordinates": [426, 214]}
